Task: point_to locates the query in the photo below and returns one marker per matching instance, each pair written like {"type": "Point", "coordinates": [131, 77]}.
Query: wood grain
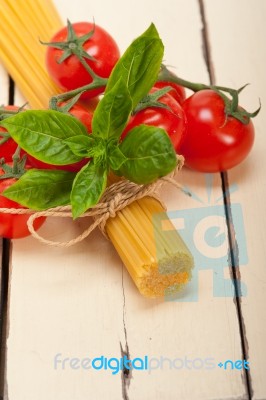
{"type": "Point", "coordinates": [239, 56]}
{"type": "Point", "coordinates": [81, 303]}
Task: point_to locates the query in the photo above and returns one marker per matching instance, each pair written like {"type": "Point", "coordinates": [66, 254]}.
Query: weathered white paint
{"type": "Point", "coordinates": [73, 301]}
{"type": "Point", "coordinates": [239, 56]}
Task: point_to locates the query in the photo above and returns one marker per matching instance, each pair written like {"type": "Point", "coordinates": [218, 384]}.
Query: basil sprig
{"type": "Point", "coordinates": [60, 139]}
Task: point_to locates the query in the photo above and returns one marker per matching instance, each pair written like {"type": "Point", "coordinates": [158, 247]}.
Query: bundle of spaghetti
{"type": "Point", "coordinates": [23, 24]}
{"type": "Point", "coordinates": [153, 252]}
{"type": "Point", "coordinates": [155, 255]}
{"type": "Point", "coordinates": [158, 260]}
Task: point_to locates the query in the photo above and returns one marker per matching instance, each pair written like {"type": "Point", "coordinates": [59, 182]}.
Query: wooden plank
{"type": "Point", "coordinates": [63, 302]}
{"type": "Point", "coordinates": [80, 302]}
{"type": "Point", "coordinates": [52, 315]}
{"type": "Point", "coordinates": [239, 54]}
{"type": "Point", "coordinates": [195, 330]}
{"type": "Point", "coordinates": [4, 82]}
{"type": "Point", "coordinates": [206, 328]}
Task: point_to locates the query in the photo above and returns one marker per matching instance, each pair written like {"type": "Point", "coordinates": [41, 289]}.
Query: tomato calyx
{"type": "Point", "coordinates": [7, 145]}
{"type": "Point", "coordinates": [151, 100]}
{"type": "Point", "coordinates": [213, 143]}
{"type": "Point", "coordinates": [73, 45]}
{"type": "Point", "coordinates": [232, 108]}
{"type": "Point", "coordinates": [16, 169]}
{"type": "Point", "coordinates": [232, 105]}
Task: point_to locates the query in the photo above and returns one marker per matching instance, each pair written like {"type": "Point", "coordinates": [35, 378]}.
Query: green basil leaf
{"type": "Point", "coordinates": [115, 157]}
{"type": "Point", "coordinates": [150, 154]}
{"type": "Point", "coordinates": [140, 65]}
{"type": "Point", "coordinates": [42, 134]}
{"type": "Point", "coordinates": [88, 187]}
{"type": "Point", "coordinates": [81, 145]}
{"type": "Point", "coordinates": [42, 189]}
{"type": "Point", "coordinates": [112, 112]}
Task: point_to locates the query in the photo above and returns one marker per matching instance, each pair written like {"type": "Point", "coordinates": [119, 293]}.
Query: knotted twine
{"type": "Point", "coordinates": [116, 197]}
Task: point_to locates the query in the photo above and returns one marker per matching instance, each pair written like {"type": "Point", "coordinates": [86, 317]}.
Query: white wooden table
{"type": "Point", "coordinates": [80, 302]}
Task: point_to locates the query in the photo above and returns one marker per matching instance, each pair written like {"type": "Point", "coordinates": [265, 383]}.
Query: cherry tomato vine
{"type": "Point", "coordinates": [135, 130]}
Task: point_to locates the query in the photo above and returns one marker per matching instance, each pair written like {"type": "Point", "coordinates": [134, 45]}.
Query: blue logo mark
{"type": "Point", "coordinates": [238, 364]}
{"type": "Point", "coordinates": [204, 230]}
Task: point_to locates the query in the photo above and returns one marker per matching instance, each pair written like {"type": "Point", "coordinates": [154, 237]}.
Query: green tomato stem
{"type": "Point", "coordinates": [17, 169]}
{"type": "Point", "coordinates": [4, 137]}
{"type": "Point", "coordinates": [16, 159]}
{"type": "Point", "coordinates": [95, 84]}
{"type": "Point", "coordinates": [231, 104]}
{"type": "Point", "coordinates": [167, 76]}
{"type": "Point", "coordinates": [88, 68]}
{"type": "Point", "coordinates": [5, 113]}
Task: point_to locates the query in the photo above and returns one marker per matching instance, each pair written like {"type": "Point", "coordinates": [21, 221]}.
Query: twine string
{"type": "Point", "coordinates": [116, 197]}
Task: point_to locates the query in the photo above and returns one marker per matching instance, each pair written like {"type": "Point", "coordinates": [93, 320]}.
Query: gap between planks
{"type": "Point", "coordinates": [4, 278]}
{"type": "Point", "coordinates": [233, 257]}
{"type": "Point", "coordinates": [4, 281]}
{"type": "Point", "coordinates": [207, 54]}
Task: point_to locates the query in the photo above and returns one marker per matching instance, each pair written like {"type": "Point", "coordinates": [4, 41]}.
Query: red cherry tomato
{"type": "Point", "coordinates": [85, 116]}
{"type": "Point", "coordinates": [71, 74]}
{"type": "Point", "coordinates": [178, 92]}
{"type": "Point", "coordinates": [173, 121]}
{"type": "Point", "coordinates": [14, 226]}
{"type": "Point", "coordinates": [214, 142]}
{"type": "Point", "coordinates": [8, 148]}
{"type": "Point", "coordinates": [90, 104]}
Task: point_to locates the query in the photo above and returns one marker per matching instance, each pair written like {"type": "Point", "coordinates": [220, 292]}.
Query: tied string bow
{"type": "Point", "coordinates": [116, 197]}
